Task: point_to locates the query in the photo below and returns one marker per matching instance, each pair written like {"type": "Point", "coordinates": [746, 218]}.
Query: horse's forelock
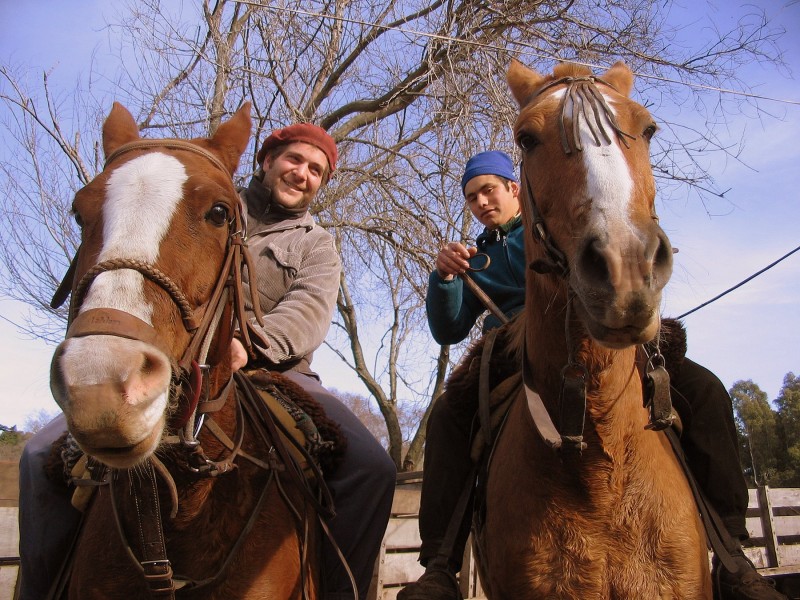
{"type": "Point", "coordinates": [570, 70]}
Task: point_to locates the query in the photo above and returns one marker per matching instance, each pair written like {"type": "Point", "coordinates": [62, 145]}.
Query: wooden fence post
{"type": "Point", "coordinates": [768, 526]}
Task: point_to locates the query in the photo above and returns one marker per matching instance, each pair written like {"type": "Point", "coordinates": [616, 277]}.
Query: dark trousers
{"type": "Point", "coordinates": [363, 488]}
{"type": "Point", "coordinates": [708, 440]}
{"type": "Point", "coordinates": [47, 521]}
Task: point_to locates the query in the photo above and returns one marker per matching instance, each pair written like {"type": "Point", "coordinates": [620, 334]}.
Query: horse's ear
{"type": "Point", "coordinates": [621, 77]}
{"type": "Point", "coordinates": [119, 128]}
{"type": "Point", "coordinates": [230, 139]}
{"type": "Point", "coordinates": [522, 81]}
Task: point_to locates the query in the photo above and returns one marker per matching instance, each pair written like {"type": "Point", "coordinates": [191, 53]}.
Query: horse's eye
{"type": "Point", "coordinates": [649, 131]}
{"type": "Point", "coordinates": [527, 142]}
{"type": "Point", "coordinates": [218, 215]}
{"type": "Point", "coordinates": [78, 218]}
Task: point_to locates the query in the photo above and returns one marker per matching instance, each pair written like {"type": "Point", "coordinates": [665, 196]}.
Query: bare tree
{"type": "Point", "coordinates": [408, 88]}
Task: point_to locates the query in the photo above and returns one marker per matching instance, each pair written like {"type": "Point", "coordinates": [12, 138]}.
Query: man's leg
{"type": "Point", "coordinates": [447, 467]}
{"type": "Point", "coordinates": [363, 488]}
{"type": "Point", "coordinates": [711, 449]}
{"type": "Point", "coordinates": [47, 521]}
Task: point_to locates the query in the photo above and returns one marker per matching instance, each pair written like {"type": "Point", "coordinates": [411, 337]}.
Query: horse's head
{"type": "Point", "coordinates": [588, 196]}
{"type": "Point", "coordinates": [157, 228]}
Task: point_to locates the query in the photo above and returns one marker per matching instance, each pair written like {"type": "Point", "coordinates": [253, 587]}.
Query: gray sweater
{"type": "Point", "coordinates": [298, 270]}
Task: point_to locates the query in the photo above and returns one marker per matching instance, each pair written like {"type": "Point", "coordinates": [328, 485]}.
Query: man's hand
{"type": "Point", "coordinates": [452, 260]}
{"type": "Point", "coordinates": [238, 355]}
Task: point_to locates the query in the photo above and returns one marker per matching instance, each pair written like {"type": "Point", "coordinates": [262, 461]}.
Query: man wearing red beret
{"type": "Point", "coordinates": [298, 270]}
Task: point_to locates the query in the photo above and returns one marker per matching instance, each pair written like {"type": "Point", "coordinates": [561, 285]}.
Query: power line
{"type": "Point", "coordinates": [538, 55]}
{"type": "Point", "coordinates": [740, 284]}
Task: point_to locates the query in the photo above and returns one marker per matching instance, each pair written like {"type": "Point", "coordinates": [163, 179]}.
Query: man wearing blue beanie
{"type": "Point", "coordinates": [491, 191]}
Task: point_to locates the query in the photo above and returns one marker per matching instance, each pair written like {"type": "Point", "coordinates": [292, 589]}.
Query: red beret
{"type": "Point", "coordinates": [301, 132]}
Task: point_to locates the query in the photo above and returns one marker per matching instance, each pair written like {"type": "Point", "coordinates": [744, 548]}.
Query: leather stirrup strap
{"type": "Point", "coordinates": [718, 537]}
{"type": "Point", "coordinates": [445, 554]}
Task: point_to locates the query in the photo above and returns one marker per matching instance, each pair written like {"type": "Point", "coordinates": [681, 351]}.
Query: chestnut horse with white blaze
{"type": "Point", "coordinates": [605, 510]}
{"type": "Point", "coordinates": [197, 499]}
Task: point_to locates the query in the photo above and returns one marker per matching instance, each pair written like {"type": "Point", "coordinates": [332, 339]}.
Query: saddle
{"type": "Point", "coordinates": [314, 441]}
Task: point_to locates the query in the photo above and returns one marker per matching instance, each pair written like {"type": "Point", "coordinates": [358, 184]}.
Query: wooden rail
{"type": "Point", "coordinates": [773, 520]}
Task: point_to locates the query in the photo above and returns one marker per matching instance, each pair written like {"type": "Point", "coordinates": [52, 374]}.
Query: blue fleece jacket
{"type": "Point", "coordinates": [453, 309]}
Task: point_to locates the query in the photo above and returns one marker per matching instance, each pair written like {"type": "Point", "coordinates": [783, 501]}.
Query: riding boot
{"type": "Point", "coordinates": [744, 584]}
{"type": "Point", "coordinates": [435, 584]}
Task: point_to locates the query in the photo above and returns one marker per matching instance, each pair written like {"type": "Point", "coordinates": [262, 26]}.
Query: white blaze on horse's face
{"type": "Point", "coordinates": [608, 186]}
{"type": "Point", "coordinates": [141, 198]}
{"type": "Point", "coordinates": [116, 389]}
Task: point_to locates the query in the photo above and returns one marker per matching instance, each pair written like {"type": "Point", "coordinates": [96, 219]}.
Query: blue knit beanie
{"type": "Point", "coordinates": [492, 162]}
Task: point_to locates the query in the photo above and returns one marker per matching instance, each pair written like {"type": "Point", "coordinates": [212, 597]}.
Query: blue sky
{"type": "Point", "coordinates": [750, 334]}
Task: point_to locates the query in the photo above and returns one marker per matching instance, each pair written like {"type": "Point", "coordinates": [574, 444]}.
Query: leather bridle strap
{"type": "Point", "coordinates": [555, 260]}
{"type": "Point", "coordinates": [148, 271]}
{"type": "Point", "coordinates": [110, 321]}
{"type": "Point", "coordinates": [145, 144]}
{"type": "Point", "coordinates": [153, 563]}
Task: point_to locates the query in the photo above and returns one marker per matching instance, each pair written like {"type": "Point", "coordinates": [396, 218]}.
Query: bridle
{"type": "Point", "coordinates": [588, 103]}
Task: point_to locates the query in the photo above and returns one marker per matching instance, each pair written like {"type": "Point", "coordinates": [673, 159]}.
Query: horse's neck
{"type": "Point", "coordinates": [612, 383]}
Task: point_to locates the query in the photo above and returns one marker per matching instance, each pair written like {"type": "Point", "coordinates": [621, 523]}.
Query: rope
{"type": "Point", "coordinates": [738, 285]}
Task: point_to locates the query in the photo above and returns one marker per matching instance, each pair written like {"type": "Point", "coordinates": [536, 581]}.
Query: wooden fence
{"type": "Point", "coordinates": [773, 520]}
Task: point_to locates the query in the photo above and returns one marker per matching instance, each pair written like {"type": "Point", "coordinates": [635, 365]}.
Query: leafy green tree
{"type": "Point", "coordinates": [788, 405]}
{"type": "Point", "coordinates": [757, 430]}
{"type": "Point", "coordinates": [12, 442]}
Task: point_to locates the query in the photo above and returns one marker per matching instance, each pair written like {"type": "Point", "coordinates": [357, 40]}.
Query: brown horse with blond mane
{"type": "Point", "coordinates": [597, 507]}
{"type": "Point", "coordinates": [195, 483]}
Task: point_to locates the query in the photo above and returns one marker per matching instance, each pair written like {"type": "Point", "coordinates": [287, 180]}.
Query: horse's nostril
{"type": "Point", "coordinates": [663, 253]}
{"type": "Point", "coordinates": [593, 262]}
{"type": "Point", "coordinates": [662, 260]}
